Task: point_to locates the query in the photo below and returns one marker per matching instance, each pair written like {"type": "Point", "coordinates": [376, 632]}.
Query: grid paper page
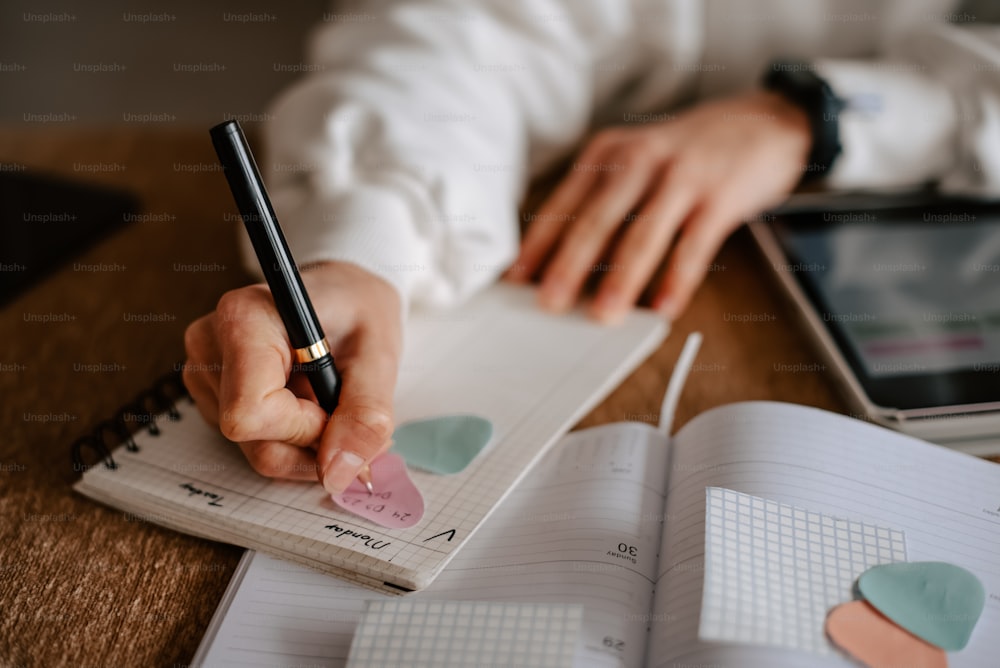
{"type": "Point", "coordinates": [532, 374]}
{"type": "Point", "coordinates": [432, 634]}
{"type": "Point", "coordinates": [774, 571]}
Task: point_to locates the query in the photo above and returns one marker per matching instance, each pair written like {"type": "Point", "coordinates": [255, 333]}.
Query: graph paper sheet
{"type": "Point", "coordinates": [774, 571]}
{"type": "Point", "coordinates": [532, 374]}
{"type": "Point", "coordinates": [440, 634]}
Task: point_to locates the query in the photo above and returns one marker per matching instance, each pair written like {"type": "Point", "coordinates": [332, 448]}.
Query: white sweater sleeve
{"type": "Point", "coordinates": [928, 112]}
{"type": "Point", "coordinates": [406, 148]}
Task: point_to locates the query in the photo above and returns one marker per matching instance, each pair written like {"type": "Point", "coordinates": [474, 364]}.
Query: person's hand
{"type": "Point", "coordinates": [240, 359]}
{"type": "Point", "coordinates": [636, 193]}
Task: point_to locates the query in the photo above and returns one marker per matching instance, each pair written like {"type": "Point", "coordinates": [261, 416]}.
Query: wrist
{"type": "Point", "coordinates": [355, 283]}
{"type": "Point", "coordinates": [789, 115]}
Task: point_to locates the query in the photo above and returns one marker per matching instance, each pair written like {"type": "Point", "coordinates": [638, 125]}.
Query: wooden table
{"type": "Point", "coordinates": [84, 585]}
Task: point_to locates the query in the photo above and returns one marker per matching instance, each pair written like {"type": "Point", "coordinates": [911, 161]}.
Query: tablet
{"type": "Point", "coordinates": [905, 296]}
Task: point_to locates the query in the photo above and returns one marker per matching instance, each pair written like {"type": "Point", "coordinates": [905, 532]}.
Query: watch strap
{"type": "Point", "coordinates": [799, 83]}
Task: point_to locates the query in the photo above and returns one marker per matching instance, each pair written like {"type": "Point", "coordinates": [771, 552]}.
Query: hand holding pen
{"type": "Point", "coordinates": [241, 357]}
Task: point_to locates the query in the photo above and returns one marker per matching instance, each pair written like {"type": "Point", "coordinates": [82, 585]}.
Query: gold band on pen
{"type": "Point", "coordinates": [313, 352]}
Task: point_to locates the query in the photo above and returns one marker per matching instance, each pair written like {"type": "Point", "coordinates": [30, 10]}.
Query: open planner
{"type": "Point", "coordinates": [531, 374]}
{"type": "Point", "coordinates": [614, 519]}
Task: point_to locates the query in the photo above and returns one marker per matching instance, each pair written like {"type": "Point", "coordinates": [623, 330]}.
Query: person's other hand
{"type": "Point", "coordinates": [240, 360]}
{"type": "Point", "coordinates": [636, 193]}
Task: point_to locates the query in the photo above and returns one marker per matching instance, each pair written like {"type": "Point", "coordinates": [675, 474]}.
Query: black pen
{"type": "Point", "coordinates": [312, 352]}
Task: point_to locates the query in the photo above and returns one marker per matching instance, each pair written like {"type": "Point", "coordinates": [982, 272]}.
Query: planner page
{"type": "Point", "coordinates": [947, 505]}
{"type": "Point", "coordinates": [582, 528]}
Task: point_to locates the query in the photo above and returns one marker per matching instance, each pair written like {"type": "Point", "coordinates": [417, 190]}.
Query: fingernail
{"type": "Point", "coordinates": [608, 300]}
{"type": "Point", "coordinates": [666, 307]}
{"type": "Point", "coordinates": [554, 297]}
{"type": "Point", "coordinates": [516, 272]}
{"type": "Point", "coordinates": [610, 316]}
{"type": "Point", "coordinates": [342, 470]}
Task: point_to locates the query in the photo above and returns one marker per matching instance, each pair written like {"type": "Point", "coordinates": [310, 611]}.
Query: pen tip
{"type": "Point", "coordinates": [369, 487]}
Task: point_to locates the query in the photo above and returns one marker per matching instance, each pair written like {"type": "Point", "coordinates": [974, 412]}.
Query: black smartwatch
{"type": "Point", "coordinates": [798, 82]}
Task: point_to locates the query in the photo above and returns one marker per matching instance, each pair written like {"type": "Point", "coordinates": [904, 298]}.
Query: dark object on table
{"type": "Point", "coordinates": [45, 222]}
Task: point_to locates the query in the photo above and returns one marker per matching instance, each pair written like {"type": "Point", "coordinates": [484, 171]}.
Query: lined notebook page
{"type": "Point", "coordinates": [599, 490]}
{"type": "Point", "coordinates": [947, 503]}
{"type": "Point", "coordinates": [532, 374]}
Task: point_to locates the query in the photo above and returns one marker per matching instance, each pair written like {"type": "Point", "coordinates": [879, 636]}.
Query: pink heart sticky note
{"type": "Point", "coordinates": [877, 642]}
{"type": "Point", "coordinates": [396, 503]}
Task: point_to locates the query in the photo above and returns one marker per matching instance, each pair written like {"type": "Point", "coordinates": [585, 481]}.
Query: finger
{"type": "Point", "coordinates": [254, 404]}
{"type": "Point", "coordinates": [299, 385]}
{"type": "Point", "coordinates": [281, 460]}
{"type": "Point", "coordinates": [206, 401]}
{"type": "Point", "coordinates": [362, 424]}
{"type": "Point", "coordinates": [202, 368]}
{"type": "Point", "coordinates": [603, 212]}
{"type": "Point", "coordinates": [385, 448]}
{"type": "Point", "coordinates": [555, 214]}
{"type": "Point", "coordinates": [643, 247]}
{"type": "Point", "coordinates": [699, 242]}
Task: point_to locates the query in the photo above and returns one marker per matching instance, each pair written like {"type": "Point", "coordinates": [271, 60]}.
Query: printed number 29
{"type": "Point", "coordinates": [614, 643]}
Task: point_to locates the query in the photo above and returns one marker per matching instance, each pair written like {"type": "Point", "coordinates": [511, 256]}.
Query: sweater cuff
{"type": "Point", "coordinates": [369, 226]}
{"type": "Point", "coordinates": [899, 127]}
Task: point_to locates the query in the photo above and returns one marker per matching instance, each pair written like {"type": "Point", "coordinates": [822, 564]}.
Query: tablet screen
{"type": "Point", "coordinates": [912, 296]}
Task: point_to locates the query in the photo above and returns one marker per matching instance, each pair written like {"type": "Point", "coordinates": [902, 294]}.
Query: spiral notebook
{"type": "Point", "coordinates": [532, 374]}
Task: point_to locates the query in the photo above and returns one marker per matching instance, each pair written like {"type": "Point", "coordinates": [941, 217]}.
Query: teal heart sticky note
{"type": "Point", "coordinates": [938, 602]}
{"type": "Point", "coordinates": [442, 445]}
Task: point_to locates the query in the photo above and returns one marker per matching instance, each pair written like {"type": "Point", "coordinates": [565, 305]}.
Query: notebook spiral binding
{"type": "Point", "coordinates": [140, 413]}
